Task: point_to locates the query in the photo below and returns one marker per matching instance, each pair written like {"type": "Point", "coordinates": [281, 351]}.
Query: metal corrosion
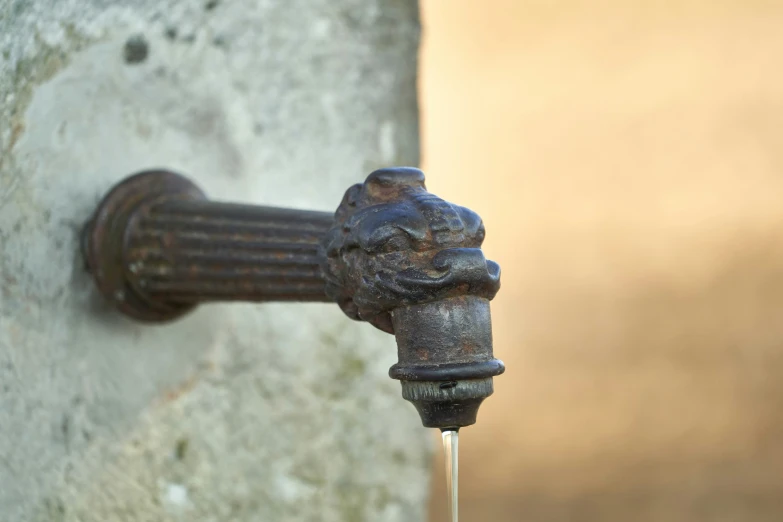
{"type": "Point", "coordinates": [157, 247]}
{"type": "Point", "coordinates": [411, 264]}
{"type": "Point", "coordinates": [393, 255]}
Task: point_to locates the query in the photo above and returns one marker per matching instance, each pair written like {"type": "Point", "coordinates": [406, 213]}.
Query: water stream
{"type": "Point", "coordinates": [451, 452]}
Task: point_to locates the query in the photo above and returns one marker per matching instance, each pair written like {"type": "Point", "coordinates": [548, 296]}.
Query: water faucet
{"type": "Point", "coordinates": [392, 255]}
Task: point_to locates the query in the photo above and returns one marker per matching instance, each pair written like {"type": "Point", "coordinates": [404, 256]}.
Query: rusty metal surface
{"type": "Point", "coordinates": [393, 255]}
{"type": "Point", "coordinates": [103, 241]}
{"type": "Point", "coordinates": [191, 251]}
{"type": "Point", "coordinates": [410, 263]}
{"type": "Point", "coordinates": [157, 247]}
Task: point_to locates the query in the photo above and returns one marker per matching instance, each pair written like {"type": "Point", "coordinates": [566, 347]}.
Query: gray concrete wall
{"type": "Point", "coordinates": [238, 412]}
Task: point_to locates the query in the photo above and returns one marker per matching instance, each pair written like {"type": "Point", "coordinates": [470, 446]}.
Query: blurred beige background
{"type": "Point", "coordinates": [627, 158]}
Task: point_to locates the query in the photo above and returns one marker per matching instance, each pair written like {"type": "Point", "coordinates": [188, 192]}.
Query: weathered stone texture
{"type": "Point", "coordinates": [238, 412]}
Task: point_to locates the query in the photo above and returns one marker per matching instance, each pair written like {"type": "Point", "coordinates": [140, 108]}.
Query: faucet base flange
{"type": "Point", "coordinates": [104, 241]}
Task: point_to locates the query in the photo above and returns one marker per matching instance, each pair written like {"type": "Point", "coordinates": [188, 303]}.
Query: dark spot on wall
{"type": "Point", "coordinates": [398, 457]}
{"type": "Point", "coordinates": [136, 49]}
{"type": "Point", "coordinates": [171, 32]}
{"type": "Point", "coordinates": [220, 41]}
{"type": "Point", "coordinates": [18, 8]}
{"type": "Point", "coordinates": [65, 428]}
{"type": "Point", "coordinates": [258, 129]}
{"type": "Point", "coordinates": [16, 131]}
{"type": "Point", "coordinates": [181, 448]}
{"type": "Point", "coordinates": [352, 18]}
{"type": "Point", "coordinates": [55, 508]}
{"type": "Point", "coordinates": [210, 5]}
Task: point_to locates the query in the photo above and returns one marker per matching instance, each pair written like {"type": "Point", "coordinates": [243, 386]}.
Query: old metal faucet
{"type": "Point", "coordinates": [393, 255]}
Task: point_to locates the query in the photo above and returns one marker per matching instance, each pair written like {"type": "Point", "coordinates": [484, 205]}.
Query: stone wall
{"type": "Point", "coordinates": [237, 412]}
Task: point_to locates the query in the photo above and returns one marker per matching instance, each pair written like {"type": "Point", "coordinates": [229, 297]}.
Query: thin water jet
{"type": "Point", "coordinates": [451, 453]}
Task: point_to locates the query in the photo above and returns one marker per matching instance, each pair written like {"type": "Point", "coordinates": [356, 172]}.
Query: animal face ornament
{"type": "Point", "coordinates": [394, 244]}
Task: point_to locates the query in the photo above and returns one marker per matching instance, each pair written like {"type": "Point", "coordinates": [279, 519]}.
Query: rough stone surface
{"type": "Point", "coordinates": [238, 412]}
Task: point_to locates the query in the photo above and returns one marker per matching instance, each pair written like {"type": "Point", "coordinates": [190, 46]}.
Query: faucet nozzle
{"type": "Point", "coordinates": [411, 264]}
{"type": "Point", "coordinates": [445, 359]}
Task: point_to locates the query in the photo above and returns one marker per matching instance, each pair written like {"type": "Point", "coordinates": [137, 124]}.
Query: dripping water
{"type": "Point", "coordinates": [451, 452]}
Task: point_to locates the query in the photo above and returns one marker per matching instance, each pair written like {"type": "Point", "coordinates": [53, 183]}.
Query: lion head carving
{"type": "Point", "coordinates": [394, 244]}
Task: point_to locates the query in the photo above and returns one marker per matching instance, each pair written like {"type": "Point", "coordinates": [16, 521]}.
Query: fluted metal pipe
{"type": "Point", "coordinates": [176, 249]}
{"type": "Point", "coordinates": [191, 251]}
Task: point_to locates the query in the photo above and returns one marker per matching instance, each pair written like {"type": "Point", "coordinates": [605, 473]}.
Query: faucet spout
{"type": "Point", "coordinates": [411, 264]}
{"type": "Point", "coordinates": [445, 356]}
{"type": "Point", "coordinates": [392, 254]}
